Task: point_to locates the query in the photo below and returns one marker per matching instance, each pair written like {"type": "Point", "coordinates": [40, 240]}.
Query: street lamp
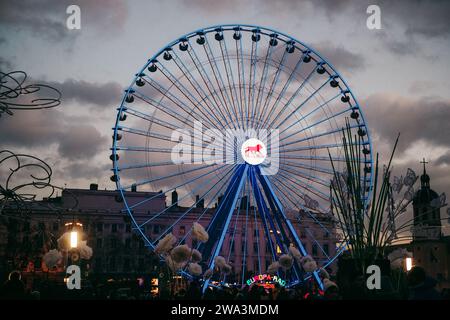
{"type": "Point", "coordinates": [73, 239]}
{"type": "Point", "coordinates": [408, 263]}
{"type": "Point", "coordinates": [73, 228]}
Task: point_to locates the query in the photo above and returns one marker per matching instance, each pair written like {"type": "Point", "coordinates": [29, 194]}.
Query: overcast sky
{"type": "Point", "coordinates": [399, 73]}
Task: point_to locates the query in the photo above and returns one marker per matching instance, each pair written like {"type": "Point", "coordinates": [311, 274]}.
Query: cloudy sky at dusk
{"type": "Point", "coordinates": [399, 73]}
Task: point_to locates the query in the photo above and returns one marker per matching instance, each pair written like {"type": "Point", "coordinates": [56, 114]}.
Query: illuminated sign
{"type": "Point", "coordinates": [266, 279]}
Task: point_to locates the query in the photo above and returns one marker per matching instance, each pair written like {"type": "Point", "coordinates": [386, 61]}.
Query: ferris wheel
{"type": "Point", "coordinates": [238, 124]}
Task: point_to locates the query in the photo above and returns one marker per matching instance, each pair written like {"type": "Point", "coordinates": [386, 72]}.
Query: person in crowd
{"type": "Point", "coordinates": [14, 288]}
{"type": "Point", "coordinates": [420, 286]}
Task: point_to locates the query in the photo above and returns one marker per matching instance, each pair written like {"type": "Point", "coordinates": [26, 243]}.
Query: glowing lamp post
{"type": "Point", "coordinates": [408, 263]}
{"type": "Point", "coordinates": [73, 239]}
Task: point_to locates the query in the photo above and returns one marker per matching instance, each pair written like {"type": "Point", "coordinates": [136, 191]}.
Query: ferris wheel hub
{"type": "Point", "coordinates": [254, 151]}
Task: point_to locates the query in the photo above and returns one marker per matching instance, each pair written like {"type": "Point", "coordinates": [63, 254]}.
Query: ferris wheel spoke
{"type": "Point", "coordinates": [186, 212]}
{"type": "Point", "coordinates": [265, 218]}
{"type": "Point", "coordinates": [316, 147]}
{"type": "Point", "coordinates": [231, 84]}
{"type": "Point", "coordinates": [186, 94]}
{"type": "Point", "coordinates": [197, 87]}
{"type": "Point", "coordinates": [276, 206]}
{"type": "Point", "coordinates": [224, 219]}
{"type": "Point", "coordinates": [273, 84]}
{"type": "Point", "coordinates": [215, 196]}
{"type": "Point", "coordinates": [148, 181]}
{"type": "Point", "coordinates": [315, 124]}
{"type": "Point", "coordinates": [312, 95]}
{"type": "Point", "coordinates": [244, 252]}
{"type": "Point", "coordinates": [319, 107]}
{"type": "Point", "coordinates": [144, 116]}
{"type": "Point", "coordinates": [262, 82]}
{"type": "Point", "coordinates": [167, 110]}
{"type": "Point", "coordinates": [309, 167]}
{"type": "Point", "coordinates": [251, 89]}
{"type": "Point", "coordinates": [241, 77]}
{"type": "Point", "coordinates": [291, 99]}
{"type": "Point", "coordinates": [323, 134]}
{"type": "Point", "coordinates": [187, 196]}
{"type": "Point", "coordinates": [318, 158]}
{"type": "Point", "coordinates": [217, 77]}
{"type": "Point", "coordinates": [301, 186]}
{"type": "Point", "coordinates": [311, 178]}
{"type": "Point", "coordinates": [131, 207]}
{"type": "Point", "coordinates": [206, 80]}
{"type": "Point", "coordinates": [283, 90]}
{"type": "Point", "coordinates": [298, 204]}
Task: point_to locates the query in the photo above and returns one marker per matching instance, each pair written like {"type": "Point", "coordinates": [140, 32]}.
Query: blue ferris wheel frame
{"type": "Point", "coordinates": [245, 170]}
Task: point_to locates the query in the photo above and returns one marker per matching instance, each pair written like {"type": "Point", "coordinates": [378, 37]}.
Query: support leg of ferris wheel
{"type": "Point", "coordinates": [270, 194]}
{"type": "Point", "coordinates": [228, 209]}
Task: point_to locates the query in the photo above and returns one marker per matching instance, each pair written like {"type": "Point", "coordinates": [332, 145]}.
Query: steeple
{"type": "Point", "coordinates": [424, 178]}
{"type": "Point", "coordinates": [427, 223]}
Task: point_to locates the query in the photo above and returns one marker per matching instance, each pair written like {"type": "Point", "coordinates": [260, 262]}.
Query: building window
{"type": "Point", "coordinates": [114, 227]}
{"type": "Point", "coordinates": [99, 243]}
{"type": "Point", "coordinates": [255, 247]}
{"type": "Point", "coordinates": [55, 226]}
{"type": "Point", "coordinates": [326, 234]}
{"type": "Point", "coordinates": [99, 227]}
{"type": "Point", "coordinates": [182, 230]}
{"type": "Point", "coordinates": [128, 243]}
{"type": "Point", "coordinates": [128, 228]}
{"type": "Point", "coordinates": [113, 243]}
{"type": "Point", "coordinates": [156, 228]}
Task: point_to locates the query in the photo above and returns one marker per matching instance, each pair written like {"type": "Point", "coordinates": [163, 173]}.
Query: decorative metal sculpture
{"type": "Point", "coordinates": [25, 175]}
{"type": "Point", "coordinates": [16, 94]}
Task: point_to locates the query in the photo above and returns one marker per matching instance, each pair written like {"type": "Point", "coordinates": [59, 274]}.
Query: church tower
{"type": "Point", "coordinates": [427, 215]}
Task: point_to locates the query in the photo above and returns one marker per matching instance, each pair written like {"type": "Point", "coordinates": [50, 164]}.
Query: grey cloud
{"type": "Point", "coordinates": [83, 92]}
{"type": "Point", "coordinates": [47, 19]}
{"type": "Point", "coordinates": [340, 57]}
{"type": "Point", "coordinates": [425, 119]}
{"type": "Point", "coordinates": [425, 18]}
{"type": "Point", "coordinates": [83, 141]}
{"type": "Point", "coordinates": [444, 159]}
{"type": "Point", "coordinates": [418, 87]}
{"type": "Point", "coordinates": [82, 170]}
{"type": "Point", "coordinates": [5, 65]}
{"type": "Point", "coordinates": [41, 129]}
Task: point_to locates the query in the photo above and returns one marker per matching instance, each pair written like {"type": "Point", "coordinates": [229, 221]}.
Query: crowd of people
{"type": "Point", "coordinates": [419, 287]}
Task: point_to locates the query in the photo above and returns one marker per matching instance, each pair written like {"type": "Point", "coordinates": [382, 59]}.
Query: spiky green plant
{"type": "Point", "coordinates": [361, 223]}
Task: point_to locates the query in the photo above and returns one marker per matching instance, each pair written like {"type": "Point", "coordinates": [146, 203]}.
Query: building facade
{"type": "Point", "coordinates": [118, 250]}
